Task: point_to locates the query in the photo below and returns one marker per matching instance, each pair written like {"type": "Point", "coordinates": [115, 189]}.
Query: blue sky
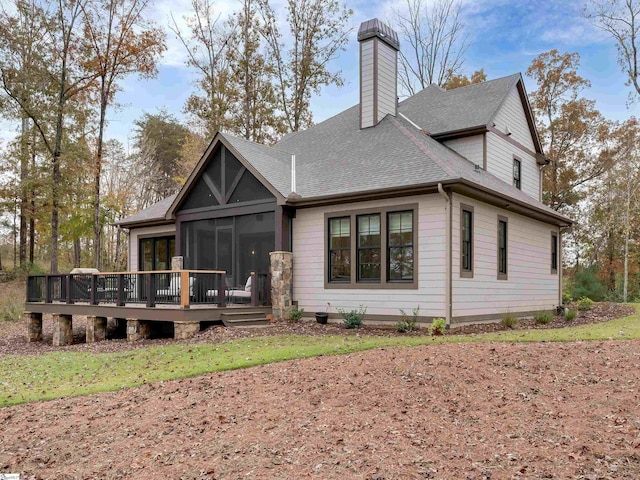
{"type": "Point", "coordinates": [505, 34]}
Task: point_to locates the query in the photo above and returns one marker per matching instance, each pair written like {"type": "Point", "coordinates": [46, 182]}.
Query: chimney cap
{"type": "Point", "coordinates": [375, 28]}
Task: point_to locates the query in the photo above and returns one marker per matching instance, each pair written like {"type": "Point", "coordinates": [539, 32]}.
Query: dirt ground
{"type": "Point", "coordinates": [471, 411]}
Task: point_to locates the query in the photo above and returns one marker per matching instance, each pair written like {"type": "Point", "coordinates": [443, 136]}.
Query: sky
{"type": "Point", "coordinates": [505, 36]}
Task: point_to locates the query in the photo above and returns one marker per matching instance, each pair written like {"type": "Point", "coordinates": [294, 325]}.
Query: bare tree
{"type": "Point", "coordinates": [205, 43]}
{"type": "Point", "coordinates": [122, 42]}
{"type": "Point", "coordinates": [318, 32]}
{"type": "Point", "coordinates": [433, 43]}
{"type": "Point", "coordinates": [621, 20]}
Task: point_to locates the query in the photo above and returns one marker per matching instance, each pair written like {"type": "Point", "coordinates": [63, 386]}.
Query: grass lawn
{"type": "Point", "coordinates": [61, 374]}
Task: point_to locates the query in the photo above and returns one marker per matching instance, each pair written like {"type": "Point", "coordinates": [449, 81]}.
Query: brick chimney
{"type": "Point", "coordinates": [379, 47]}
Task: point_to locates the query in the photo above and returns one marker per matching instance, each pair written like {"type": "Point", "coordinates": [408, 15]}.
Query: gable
{"type": "Point", "coordinates": [223, 180]}
{"type": "Point", "coordinates": [512, 119]}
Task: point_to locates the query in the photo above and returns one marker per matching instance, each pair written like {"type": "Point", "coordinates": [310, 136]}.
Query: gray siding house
{"type": "Point", "coordinates": [434, 201]}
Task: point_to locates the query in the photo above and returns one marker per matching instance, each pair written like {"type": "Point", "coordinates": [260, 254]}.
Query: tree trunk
{"type": "Point", "coordinates": [32, 203]}
{"type": "Point", "coordinates": [24, 166]}
{"type": "Point", "coordinates": [77, 253]}
{"type": "Point", "coordinates": [97, 224]}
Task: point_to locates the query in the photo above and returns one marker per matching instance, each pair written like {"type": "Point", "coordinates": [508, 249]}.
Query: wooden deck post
{"type": "Point", "coordinates": [254, 289]}
{"type": "Point", "coordinates": [184, 288]}
{"type": "Point", "coordinates": [34, 326]}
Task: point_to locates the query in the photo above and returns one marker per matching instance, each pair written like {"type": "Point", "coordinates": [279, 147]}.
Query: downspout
{"type": "Point", "coordinates": [560, 230]}
{"type": "Point", "coordinates": [448, 246]}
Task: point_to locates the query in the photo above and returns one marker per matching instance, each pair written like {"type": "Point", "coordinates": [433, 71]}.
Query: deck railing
{"type": "Point", "coordinates": [150, 288]}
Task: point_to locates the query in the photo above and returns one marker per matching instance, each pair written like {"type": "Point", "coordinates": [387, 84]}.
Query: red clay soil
{"type": "Point", "coordinates": [472, 411]}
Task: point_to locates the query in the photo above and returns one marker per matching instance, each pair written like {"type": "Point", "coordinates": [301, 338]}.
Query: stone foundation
{"type": "Point", "coordinates": [137, 329]}
{"type": "Point", "coordinates": [281, 283]}
{"type": "Point", "coordinates": [62, 330]}
{"type": "Point", "coordinates": [96, 329]}
{"type": "Point", "coordinates": [182, 330]}
{"type": "Point", "coordinates": [34, 326]}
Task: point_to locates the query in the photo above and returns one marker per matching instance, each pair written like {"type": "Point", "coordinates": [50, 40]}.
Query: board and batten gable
{"type": "Point", "coordinates": [530, 286]}
{"type": "Point", "coordinates": [135, 234]}
{"type": "Point", "coordinates": [309, 231]}
{"type": "Point", "coordinates": [471, 148]}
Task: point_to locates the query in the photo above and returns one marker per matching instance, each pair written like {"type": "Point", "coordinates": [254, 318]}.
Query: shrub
{"type": "Point", "coordinates": [296, 314]}
{"type": "Point", "coordinates": [585, 304]}
{"type": "Point", "coordinates": [587, 284]}
{"type": "Point", "coordinates": [542, 318]}
{"type": "Point", "coordinates": [438, 326]}
{"type": "Point", "coordinates": [566, 297]}
{"type": "Point", "coordinates": [570, 315]}
{"type": "Point", "coordinates": [11, 309]}
{"type": "Point", "coordinates": [509, 320]}
{"type": "Point", "coordinates": [353, 318]}
{"type": "Point", "coordinates": [406, 323]}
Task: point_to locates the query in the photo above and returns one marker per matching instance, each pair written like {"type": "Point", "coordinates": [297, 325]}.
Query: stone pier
{"type": "Point", "coordinates": [96, 329]}
{"type": "Point", "coordinates": [137, 329]}
{"type": "Point", "coordinates": [62, 330]}
{"type": "Point", "coordinates": [182, 330]}
{"type": "Point", "coordinates": [34, 326]}
{"type": "Point", "coordinates": [281, 282]}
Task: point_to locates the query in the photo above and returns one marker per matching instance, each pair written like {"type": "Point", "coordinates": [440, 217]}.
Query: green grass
{"type": "Point", "coordinates": [62, 374]}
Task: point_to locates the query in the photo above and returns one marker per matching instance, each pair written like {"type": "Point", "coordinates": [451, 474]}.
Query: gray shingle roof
{"type": "Point", "coordinates": [153, 213]}
{"type": "Point", "coordinates": [439, 111]}
{"type": "Point", "coordinates": [336, 157]}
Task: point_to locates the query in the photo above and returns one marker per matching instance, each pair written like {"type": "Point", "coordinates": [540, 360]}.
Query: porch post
{"type": "Point", "coordinates": [281, 284]}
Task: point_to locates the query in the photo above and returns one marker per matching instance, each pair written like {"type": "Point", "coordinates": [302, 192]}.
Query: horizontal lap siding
{"type": "Point", "coordinates": [309, 263]}
{"type": "Point", "coordinates": [471, 148]}
{"type": "Point", "coordinates": [136, 233]}
{"type": "Point", "coordinates": [500, 155]}
{"type": "Point", "coordinates": [530, 285]}
{"type": "Point", "coordinates": [366, 83]}
{"type": "Point", "coordinates": [387, 96]}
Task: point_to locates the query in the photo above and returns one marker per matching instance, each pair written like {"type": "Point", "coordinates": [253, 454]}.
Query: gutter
{"type": "Point", "coordinates": [448, 246]}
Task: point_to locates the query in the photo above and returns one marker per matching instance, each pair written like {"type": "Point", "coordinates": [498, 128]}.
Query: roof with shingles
{"type": "Point", "coordinates": [155, 212]}
{"type": "Point", "coordinates": [336, 157]}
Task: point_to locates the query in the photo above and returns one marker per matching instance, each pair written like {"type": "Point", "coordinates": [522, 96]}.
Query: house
{"type": "Point", "coordinates": [434, 201]}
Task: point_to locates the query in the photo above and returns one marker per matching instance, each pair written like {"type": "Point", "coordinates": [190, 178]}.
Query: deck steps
{"type": "Point", "coordinates": [245, 319]}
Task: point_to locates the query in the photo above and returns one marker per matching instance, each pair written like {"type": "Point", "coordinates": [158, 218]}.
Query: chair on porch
{"type": "Point", "coordinates": [234, 295]}
{"type": "Point", "coordinates": [172, 292]}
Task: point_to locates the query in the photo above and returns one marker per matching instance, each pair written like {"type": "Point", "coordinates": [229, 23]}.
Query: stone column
{"type": "Point", "coordinates": [62, 330]}
{"type": "Point", "coordinates": [182, 330]}
{"type": "Point", "coordinates": [177, 262]}
{"type": "Point", "coordinates": [96, 329]}
{"type": "Point", "coordinates": [34, 326]}
{"type": "Point", "coordinates": [281, 284]}
{"type": "Point", "coordinates": [137, 329]}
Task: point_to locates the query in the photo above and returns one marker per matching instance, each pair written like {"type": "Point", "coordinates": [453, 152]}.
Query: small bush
{"type": "Point", "coordinates": [587, 284]}
{"type": "Point", "coordinates": [438, 326]}
{"type": "Point", "coordinates": [406, 323]}
{"type": "Point", "coordinates": [542, 318]}
{"type": "Point", "coordinates": [296, 314]}
{"type": "Point", "coordinates": [585, 304]}
{"type": "Point", "coordinates": [509, 320]}
{"type": "Point", "coordinates": [353, 318]}
{"type": "Point", "coordinates": [566, 297]}
{"type": "Point", "coordinates": [570, 315]}
{"type": "Point", "coordinates": [11, 310]}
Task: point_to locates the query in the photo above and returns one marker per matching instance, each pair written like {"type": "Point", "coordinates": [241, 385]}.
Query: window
{"type": "Point", "coordinates": [517, 171]}
{"type": "Point", "coordinates": [502, 248]}
{"type": "Point", "coordinates": [369, 242]}
{"type": "Point", "coordinates": [379, 254]}
{"type": "Point", "coordinates": [400, 246]}
{"type": "Point", "coordinates": [340, 249]}
{"type": "Point", "coordinates": [466, 241]}
{"type": "Point", "coordinates": [156, 253]}
{"type": "Point", "coordinates": [554, 252]}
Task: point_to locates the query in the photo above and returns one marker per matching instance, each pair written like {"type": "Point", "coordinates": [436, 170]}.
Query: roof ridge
{"type": "Point", "coordinates": [226, 135]}
{"type": "Point", "coordinates": [423, 148]}
{"type": "Point", "coordinates": [483, 83]}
